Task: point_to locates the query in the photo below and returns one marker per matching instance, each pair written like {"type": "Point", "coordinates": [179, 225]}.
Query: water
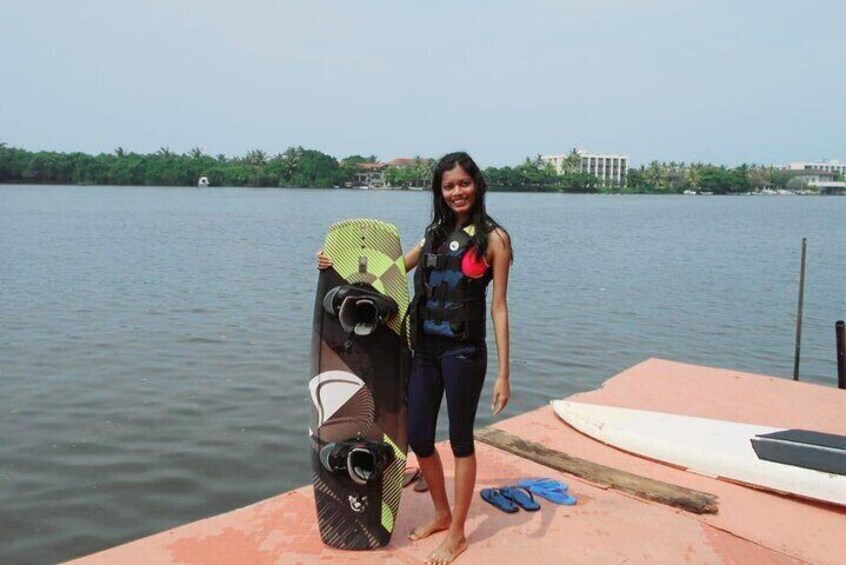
{"type": "Point", "coordinates": [154, 341]}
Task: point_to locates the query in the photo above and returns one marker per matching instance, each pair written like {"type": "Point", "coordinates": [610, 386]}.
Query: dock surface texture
{"type": "Point", "coordinates": [607, 525]}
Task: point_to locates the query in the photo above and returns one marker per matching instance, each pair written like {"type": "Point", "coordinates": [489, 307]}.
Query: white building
{"type": "Point", "coordinates": [825, 165]}
{"type": "Point", "coordinates": [611, 169]}
{"type": "Point", "coordinates": [819, 175]}
{"type": "Point", "coordinates": [821, 181]}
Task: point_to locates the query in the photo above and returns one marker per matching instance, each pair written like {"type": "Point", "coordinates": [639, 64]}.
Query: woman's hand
{"type": "Point", "coordinates": [323, 260]}
{"type": "Point", "coordinates": [501, 394]}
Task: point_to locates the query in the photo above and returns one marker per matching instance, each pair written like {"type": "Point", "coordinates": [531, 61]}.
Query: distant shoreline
{"type": "Point", "coordinates": [298, 167]}
{"type": "Point", "coordinates": [496, 189]}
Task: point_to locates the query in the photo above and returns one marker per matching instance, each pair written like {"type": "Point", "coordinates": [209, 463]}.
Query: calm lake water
{"type": "Point", "coordinates": [154, 342]}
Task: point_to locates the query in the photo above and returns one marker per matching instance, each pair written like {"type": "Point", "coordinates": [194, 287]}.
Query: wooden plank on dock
{"type": "Point", "coordinates": [642, 487]}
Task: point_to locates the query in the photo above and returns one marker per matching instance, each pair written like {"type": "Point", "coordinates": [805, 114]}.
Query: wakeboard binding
{"type": "Point", "coordinates": [359, 307]}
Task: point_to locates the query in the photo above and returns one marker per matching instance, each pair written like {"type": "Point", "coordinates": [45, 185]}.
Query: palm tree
{"type": "Point", "coordinates": [675, 174]}
{"type": "Point", "coordinates": [290, 161]}
{"type": "Point", "coordinates": [257, 158]}
{"type": "Point", "coordinates": [572, 162]}
{"type": "Point", "coordinates": [654, 175]}
{"type": "Point", "coordinates": [693, 176]}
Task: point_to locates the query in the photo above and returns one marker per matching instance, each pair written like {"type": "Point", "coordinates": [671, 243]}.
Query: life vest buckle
{"type": "Point", "coordinates": [433, 261]}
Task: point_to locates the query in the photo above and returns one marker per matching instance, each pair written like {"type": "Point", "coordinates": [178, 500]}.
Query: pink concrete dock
{"type": "Point", "coordinates": [606, 526]}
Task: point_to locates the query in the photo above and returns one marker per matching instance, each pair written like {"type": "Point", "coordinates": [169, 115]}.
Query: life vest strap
{"type": "Point", "coordinates": [440, 261]}
{"type": "Point", "coordinates": [440, 314]}
{"type": "Point", "coordinates": [443, 292]}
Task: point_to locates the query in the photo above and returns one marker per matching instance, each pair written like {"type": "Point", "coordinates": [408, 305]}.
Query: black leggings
{"type": "Point", "coordinates": [457, 368]}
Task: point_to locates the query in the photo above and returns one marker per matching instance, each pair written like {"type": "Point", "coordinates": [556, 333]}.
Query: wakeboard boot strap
{"type": "Point", "coordinates": [361, 459]}
{"type": "Point", "coordinates": [359, 307]}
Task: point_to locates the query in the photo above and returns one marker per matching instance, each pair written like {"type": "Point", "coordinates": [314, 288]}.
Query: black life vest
{"type": "Point", "coordinates": [448, 303]}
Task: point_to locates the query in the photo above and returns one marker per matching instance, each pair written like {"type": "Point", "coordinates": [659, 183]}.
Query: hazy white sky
{"type": "Point", "coordinates": [726, 81]}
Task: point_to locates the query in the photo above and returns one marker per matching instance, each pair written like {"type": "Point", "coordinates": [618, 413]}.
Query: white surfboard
{"type": "Point", "coordinates": [714, 448]}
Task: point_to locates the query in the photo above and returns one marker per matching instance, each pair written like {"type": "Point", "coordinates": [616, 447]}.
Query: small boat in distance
{"type": "Point", "coordinates": [203, 182]}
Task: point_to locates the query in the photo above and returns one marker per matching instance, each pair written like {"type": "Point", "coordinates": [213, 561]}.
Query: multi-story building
{"type": "Point", "coordinates": [825, 165]}
{"type": "Point", "coordinates": [821, 181]}
{"type": "Point", "coordinates": [824, 176]}
{"type": "Point", "coordinates": [611, 169]}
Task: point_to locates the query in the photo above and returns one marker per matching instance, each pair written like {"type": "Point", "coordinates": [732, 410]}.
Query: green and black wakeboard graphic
{"type": "Point", "coordinates": [358, 380]}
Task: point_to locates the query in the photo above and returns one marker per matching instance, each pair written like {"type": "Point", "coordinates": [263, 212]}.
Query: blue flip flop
{"type": "Point", "coordinates": [550, 489]}
{"type": "Point", "coordinates": [542, 481]}
{"type": "Point", "coordinates": [495, 497]}
{"type": "Point", "coordinates": [522, 497]}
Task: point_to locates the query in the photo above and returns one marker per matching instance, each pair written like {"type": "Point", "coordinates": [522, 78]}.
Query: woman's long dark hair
{"type": "Point", "coordinates": [443, 218]}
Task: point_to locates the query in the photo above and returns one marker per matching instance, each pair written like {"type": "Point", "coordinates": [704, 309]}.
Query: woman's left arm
{"type": "Point", "coordinates": [499, 257]}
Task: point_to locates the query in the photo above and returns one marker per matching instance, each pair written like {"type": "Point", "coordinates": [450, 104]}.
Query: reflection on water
{"type": "Point", "coordinates": [154, 341]}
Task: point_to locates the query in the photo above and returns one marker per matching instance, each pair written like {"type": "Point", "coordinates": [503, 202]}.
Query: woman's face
{"type": "Point", "coordinates": [459, 191]}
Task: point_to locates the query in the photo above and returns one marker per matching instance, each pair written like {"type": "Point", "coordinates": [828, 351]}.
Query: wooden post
{"type": "Point", "coordinates": [840, 339]}
{"type": "Point", "coordinates": [799, 314]}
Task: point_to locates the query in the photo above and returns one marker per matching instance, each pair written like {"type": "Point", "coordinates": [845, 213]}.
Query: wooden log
{"type": "Point", "coordinates": [642, 487]}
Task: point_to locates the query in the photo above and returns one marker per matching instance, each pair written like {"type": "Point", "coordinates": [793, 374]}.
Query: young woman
{"type": "Point", "coordinates": [463, 250]}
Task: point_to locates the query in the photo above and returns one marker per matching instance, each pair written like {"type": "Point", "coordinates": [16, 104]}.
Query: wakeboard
{"type": "Point", "coordinates": [359, 368]}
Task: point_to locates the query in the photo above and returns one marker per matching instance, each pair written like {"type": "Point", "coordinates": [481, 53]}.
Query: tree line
{"type": "Point", "coordinates": [655, 178]}
{"type": "Point", "coordinates": [294, 167]}
{"type": "Point", "coordinates": [678, 177]}
{"type": "Point", "coordinates": [537, 175]}
{"type": "Point", "coordinates": [300, 167]}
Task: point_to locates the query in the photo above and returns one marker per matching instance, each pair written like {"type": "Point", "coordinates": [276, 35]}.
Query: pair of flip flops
{"type": "Point", "coordinates": [510, 499]}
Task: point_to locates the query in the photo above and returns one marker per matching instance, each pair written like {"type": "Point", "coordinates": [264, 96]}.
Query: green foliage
{"type": "Point", "coordinates": [295, 167]}
{"type": "Point", "coordinates": [417, 173]}
{"type": "Point", "coordinates": [535, 175]}
{"type": "Point", "coordinates": [307, 167]}
{"type": "Point", "coordinates": [354, 160]}
{"type": "Point", "coordinates": [573, 162]}
{"type": "Point", "coordinates": [675, 178]}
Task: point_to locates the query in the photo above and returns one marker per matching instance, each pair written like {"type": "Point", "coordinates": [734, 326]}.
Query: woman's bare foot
{"type": "Point", "coordinates": [448, 551]}
{"type": "Point", "coordinates": [436, 524]}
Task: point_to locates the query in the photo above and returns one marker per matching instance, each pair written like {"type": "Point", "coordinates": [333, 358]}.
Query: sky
{"type": "Point", "coordinates": [721, 81]}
